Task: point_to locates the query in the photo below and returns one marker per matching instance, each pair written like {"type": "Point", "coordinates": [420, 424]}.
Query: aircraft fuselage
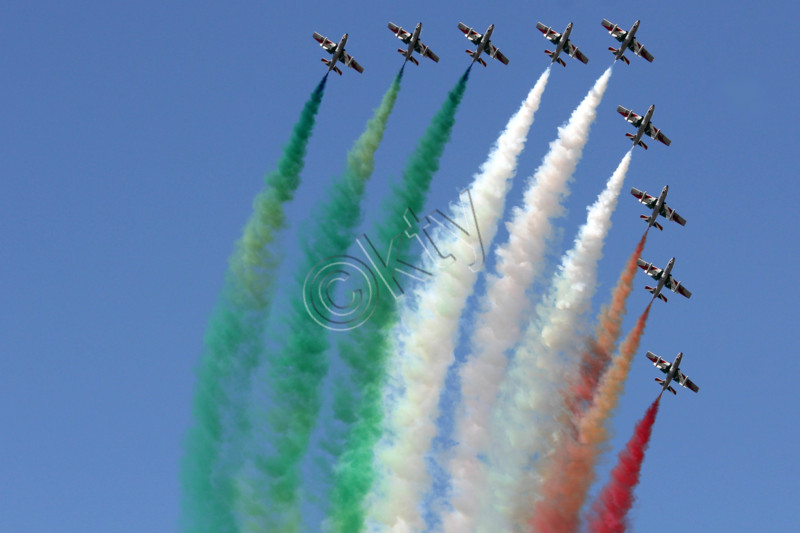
{"type": "Point", "coordinates": [657, 208]}
{"type": "Point", "coordinates": [643, 125]}
{"type": "Point", "coordinates": [562, 42]}
{"type": "Point", "coordinates": [628, 40]}
{"type": "Point", "coordinates": [673, 371]}
{"type": "Point", "coordinates": [484, 43]}
{"type": "Point", "coordinates": [412, 44]}
{"type": "Point", "coordinates": [338, 53]}
{"type": "Point", "coordinates": [664, 277]}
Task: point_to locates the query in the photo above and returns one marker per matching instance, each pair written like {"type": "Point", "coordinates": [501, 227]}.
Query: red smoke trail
{"type": "Point", "coordinates": [571, 471]}
{"type": "Point", "coordinates": [599, 348]}
{"type": "Point", "coordinates": [610, 510]}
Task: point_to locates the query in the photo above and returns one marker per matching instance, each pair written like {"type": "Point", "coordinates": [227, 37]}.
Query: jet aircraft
{"type": "Point", "coordinates": [413, 42]}
{"type": "Point", "coordinates": [664, 279]}
{"type": "Point", "coordinates": [659, 207]}
{"type": "Point", "coordinates": [644, 126]}
{"type": "Point", "coordinates": [484, 45]}
{"type": "Point", "coordinates": [562, 44]}
{"type": "Point", "coordinates": [628, 41]}
{"type": "Point", "coordinates": [673, 372]}
{"type": "Point", "coordinates": [338, 53]}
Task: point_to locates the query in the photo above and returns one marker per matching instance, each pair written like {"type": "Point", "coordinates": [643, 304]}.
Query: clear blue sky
{"type": "Point", "coordinates": [135, 135]}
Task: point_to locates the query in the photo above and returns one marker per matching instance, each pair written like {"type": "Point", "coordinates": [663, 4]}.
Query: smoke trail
{"type": "Point", "coordinates": [611, 508]}
{"type": "Point", "coordinates": [527, 416]}
{"type": "Point", "coordinates": [425, 341]}
{"type": "Point", "coordinates": [233, 341]}
{"type": "Point", "coordinates": [498, 324]}
{"type": "Point", "coordinates": [269, 486]}
{"type": "Point", "coordinates": [598, 350]}
{"type": "Point", "coordinates": [369, 347]}
{"type": "Point", "coordinates": [572, 471]}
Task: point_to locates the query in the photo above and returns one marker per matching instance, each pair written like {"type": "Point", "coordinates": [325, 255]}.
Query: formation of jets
{"type": "Point", "coordinates": [483, 43]}
{"type": "Point", "coordinates": [643, 125]}
{"type": "Point", "coordinates": [659, 208]}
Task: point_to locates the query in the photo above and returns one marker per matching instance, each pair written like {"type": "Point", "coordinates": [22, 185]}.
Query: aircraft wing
{"type": "Point", "coordinates": [688, 383]}
{"type": "Point", "coordinates": [630, 116]}
{"type": "Point", "coordinates": [675, 286]}
{"type": "Point", "coordinates": [639, 49]}
{"type": "Point", "coordinates": [616, 32]}
{"type": "Point", "coordinates": [652, 271]}
{"type": "Point", "coordinates": [661, 364]}
{"type": "Point", "coordinates": [425, 51]}
{"type": "Point", "coordinates": [497, 54]}
{"type": "Point", "coordinates": [671, 214]}
{"type": "Point", "coordinates": [548, 32]}
{"type": "Point", "coordinates": [470, 34]}
{"type": "Point", "coordinates": [656, 134]}
{"type": "Point", "coordinates": [645, 198]}
{"type": "Point", "coordinates": [352, 63]}
{"type": "Point", "coordinates": [574, 52]}
{"type": "Point", "coordinates": [402, 34]}
{"type": "Point", "coordinates": [325, 43]}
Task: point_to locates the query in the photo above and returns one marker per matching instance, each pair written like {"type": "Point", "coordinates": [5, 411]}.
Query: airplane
{"type": "Point", "coordinates": [562, 43]}
{"type": "Point", "coordinates": [659, 207]}
{"type": "Point", "coordinates": [673, 372]}
{"type": "Point", "coordinates": [338, 53]}
{"type": "Point", "coordinates": [628, 41]}
{"type": "Point", "coordinates": [483, 44]}
{"type": "Point", "coordinates": [664, 279]}
{"type": "Point", "coordinates": [413, 42]}
{"type": "Point", "coordinates": [644, 126]}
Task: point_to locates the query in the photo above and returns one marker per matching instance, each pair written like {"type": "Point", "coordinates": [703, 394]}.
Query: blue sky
{"type": "Point", "coordinates": [135, 136]}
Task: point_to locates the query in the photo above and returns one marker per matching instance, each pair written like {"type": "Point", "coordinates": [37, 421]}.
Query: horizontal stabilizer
{"type": "Point", "coordinates": [559, 60]}
{"type": "Point", "coordinates": [659, 226]}
{"type": "Point", "coordinates": [414, 60]}
{"type": "Point", "coordinates": [622, 57]}
{"type": "Point", "coordinates": [652, 290]}
{"type": "Point", "coordinates": [643, 145]}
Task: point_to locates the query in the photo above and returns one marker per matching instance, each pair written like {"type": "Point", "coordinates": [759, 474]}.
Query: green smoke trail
{"type": "Point", "coordinates": [271, 489]}
{"type": "Point", "coordinates": [367, 349]}
{"type": "Point", "coordinates": [233, 340]}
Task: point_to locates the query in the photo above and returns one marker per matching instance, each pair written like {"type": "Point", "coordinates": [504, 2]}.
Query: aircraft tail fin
{"type": "Point", "coordinates": [656, 224]}
{"type": "Point", "coordinates": [652, 290]}
{"type": "Point", "coordinates": [472, 55]}
{"type": "Point", "coordinates": [622, 57]}
{"type": "Point", "coordinates": [661, 382]}
{"type": "Point", "coordinates": [328, 63]}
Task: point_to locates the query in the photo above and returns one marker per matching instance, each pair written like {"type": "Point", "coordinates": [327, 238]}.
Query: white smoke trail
{"type": "Point", "coordinates": [529, 404]}
{"type": "Point", "coordinates": [498, 324]}
{"type": "Point", "coordinates": [428, 333]}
